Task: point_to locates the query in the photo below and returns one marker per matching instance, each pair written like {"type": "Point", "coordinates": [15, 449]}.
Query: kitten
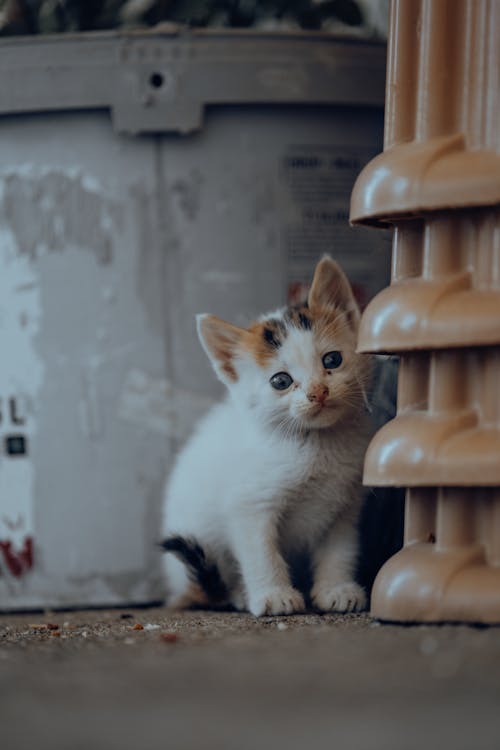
{"type": "Point", "coordinates": [272, 476]}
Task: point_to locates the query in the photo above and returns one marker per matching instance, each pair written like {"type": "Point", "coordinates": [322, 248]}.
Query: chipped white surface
{"type": "Point", "coordinates": [154, 404]}
{"type": "Point", "coordinates": [51, 208]}
{"type": "Point", "coordinates": [21, 376]}
{"type": "Point", "coordinates": [32, 171]}
{"type": "Point", "coordinates": [89, 409]}
{"type": "Point", "coordinates": [147, 402]}
{"type": "Point", "coordinates": [67, 215]}
{"type": "Point", "coordinates": [222, 277]}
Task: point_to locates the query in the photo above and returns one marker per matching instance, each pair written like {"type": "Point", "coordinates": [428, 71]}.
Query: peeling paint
{"type": "Point", "coordinates": [147, 402]}
{"type": "Point", "coordinates": [222, 277]}
{"type": "Point", "coordinates": [264, 200]}
{"type": "Point", "coordinates": [89, 410]}
{"type": "Point", "coordinates": [150, 273]}
{"type": "Point", "coordinates": [21, 377]}
{"type": "Point", "coordinates": [188, 193]}
{"type": "Point", "coordinates": [156, 405]}
{"type": "Point", "coordinates": [90, 407]}
{"type": "Point", "coordinates": [48, 210]}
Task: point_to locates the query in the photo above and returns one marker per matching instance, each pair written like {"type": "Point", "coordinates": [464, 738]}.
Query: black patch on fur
{"type": "Point", "coordinates": [298, 317]}
{"type": "Point", "coordinates": [274, 332]}
{"type": "Point", "coordinates": [304, 321]}
{"type": "Point", "coordinates": [271, 339]}
{"type": "Point", "coordinates": [200, 570]}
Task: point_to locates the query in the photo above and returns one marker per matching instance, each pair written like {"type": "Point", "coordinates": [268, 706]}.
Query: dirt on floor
{"type": "Point", "coordinates": [150, 678]}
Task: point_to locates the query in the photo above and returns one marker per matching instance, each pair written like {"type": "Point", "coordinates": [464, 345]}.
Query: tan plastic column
{"type": "Point", "coordinates": [438, 183]}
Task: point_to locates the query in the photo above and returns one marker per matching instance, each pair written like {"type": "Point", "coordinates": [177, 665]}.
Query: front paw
{"type": "Point", "coordinates": [341, 597]}
{"type": "Point", "coordinates": [277, 601]}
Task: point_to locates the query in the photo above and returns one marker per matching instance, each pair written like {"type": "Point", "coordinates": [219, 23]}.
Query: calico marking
{"type": "Point", "coordinates": [264, 338]}
{"type": "Point", "coordinates": [273, 332]}
{"type": "Point", "coordinates": [267, 336]}
{"type": "Point", "coordinates": [204, 575]}
{"type": "Point", "coordinates": [299, 317]}
{"type": "Point", "coordinates": [271, 338]}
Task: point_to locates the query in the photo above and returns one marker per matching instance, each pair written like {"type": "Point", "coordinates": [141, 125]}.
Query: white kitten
{"type": "Point", "coordinates": [271, 479]}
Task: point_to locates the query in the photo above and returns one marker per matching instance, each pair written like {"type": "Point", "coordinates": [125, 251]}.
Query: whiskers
{"type": "Point", "coordinates": [351, 397]}
{"type": "Point", "coordinates": [364, 395]}
{"type": "Point", "coordinates": [288, 428]}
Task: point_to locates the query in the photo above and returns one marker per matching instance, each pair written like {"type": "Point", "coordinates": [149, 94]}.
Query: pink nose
{"type": "Point", "coordinates": [318, 394]}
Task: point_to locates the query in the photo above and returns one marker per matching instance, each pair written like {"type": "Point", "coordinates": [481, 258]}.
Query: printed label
{"type": "Point", "coordinates": [318, 181]}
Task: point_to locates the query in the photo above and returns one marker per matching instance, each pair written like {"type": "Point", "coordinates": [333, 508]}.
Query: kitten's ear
{"type": "Point", "coordinates": [220, 341]}
{"type": "Point", "coordinates": [331, 288]}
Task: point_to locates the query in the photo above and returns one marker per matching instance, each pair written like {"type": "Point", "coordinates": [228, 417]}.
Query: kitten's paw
{"type": "Point", "coordinates": [342, 597]}
{"type": "Point", "coordinates": [281, 601]}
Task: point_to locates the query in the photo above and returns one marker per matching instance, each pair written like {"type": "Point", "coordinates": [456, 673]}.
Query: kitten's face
{"type": "Point", "coordinates": [297, 369]}
{"type": "Point", "coordinates": [311, 376]}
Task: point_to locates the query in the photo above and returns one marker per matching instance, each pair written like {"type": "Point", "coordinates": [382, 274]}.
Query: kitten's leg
{"type": "Point", "coordinates": [334, 588]}
{"type": "Point", "coordinates": [265, 573]}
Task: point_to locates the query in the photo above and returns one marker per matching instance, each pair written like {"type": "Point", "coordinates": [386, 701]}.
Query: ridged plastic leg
{"type": "Point", "coordinates": [438, 183]}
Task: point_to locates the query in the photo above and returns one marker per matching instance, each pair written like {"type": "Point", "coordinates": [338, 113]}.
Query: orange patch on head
{"type": "Point", "coordinates": [221, 340]}
{"type": "Point", "coordinates": [267, 336]}
{"type": "Point", "coordinates": [263, 339]}
{"type": "Point", "coordinates": [226, 365]}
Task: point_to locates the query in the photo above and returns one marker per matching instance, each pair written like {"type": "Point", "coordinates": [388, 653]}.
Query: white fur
{"type": "Point", "coordinates": [265, 478]}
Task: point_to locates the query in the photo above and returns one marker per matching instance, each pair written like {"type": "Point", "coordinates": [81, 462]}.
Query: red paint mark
{"type": "Point", "coordinates": [26, 553]}
{"type": "Point", "coordinates": [12, 561]}
{"type": "Point", "coordinates": [18, 562]}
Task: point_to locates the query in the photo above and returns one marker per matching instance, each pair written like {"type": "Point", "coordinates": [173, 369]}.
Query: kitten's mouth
{"type": "Point", "coordinates": [325, 406]}
{"type": "Point", "coordinates": [321, 410]}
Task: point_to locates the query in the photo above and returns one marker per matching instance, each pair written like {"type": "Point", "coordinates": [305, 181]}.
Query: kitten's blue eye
{"type": "Point", "coordinates": [332, 360]}
{"type": "Point", "coordinates": [281, 381]}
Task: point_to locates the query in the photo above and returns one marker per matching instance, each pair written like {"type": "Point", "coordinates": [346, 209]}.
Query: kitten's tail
{"type": "Point", "coordinates": [203, 572]}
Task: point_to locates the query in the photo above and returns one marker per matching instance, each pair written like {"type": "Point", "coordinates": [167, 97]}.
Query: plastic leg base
{"type": "Point", "coordinates": [422, 583]}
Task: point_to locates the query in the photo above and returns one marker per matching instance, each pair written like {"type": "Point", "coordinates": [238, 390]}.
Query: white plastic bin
{"type": "Point", "coordinates": [144, 179]}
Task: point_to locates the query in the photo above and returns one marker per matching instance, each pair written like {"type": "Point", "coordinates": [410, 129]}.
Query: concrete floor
{"type": "Point", "coordinates": [221, 680]}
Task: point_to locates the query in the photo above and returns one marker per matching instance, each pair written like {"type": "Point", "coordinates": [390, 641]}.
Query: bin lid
{"type": "Point", "coordinates": [162, 80]}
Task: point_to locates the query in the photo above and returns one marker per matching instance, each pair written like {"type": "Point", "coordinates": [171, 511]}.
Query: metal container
{"type": "Point", "coordinates": [143, 179]}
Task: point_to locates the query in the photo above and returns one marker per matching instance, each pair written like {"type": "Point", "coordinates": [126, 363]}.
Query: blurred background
{"type": "Point", "coordinates": [368, 17]}
{"type": "Point", "coordinates": [146, 175]}
{"type": "Point", "coordinates": [161, 158]}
